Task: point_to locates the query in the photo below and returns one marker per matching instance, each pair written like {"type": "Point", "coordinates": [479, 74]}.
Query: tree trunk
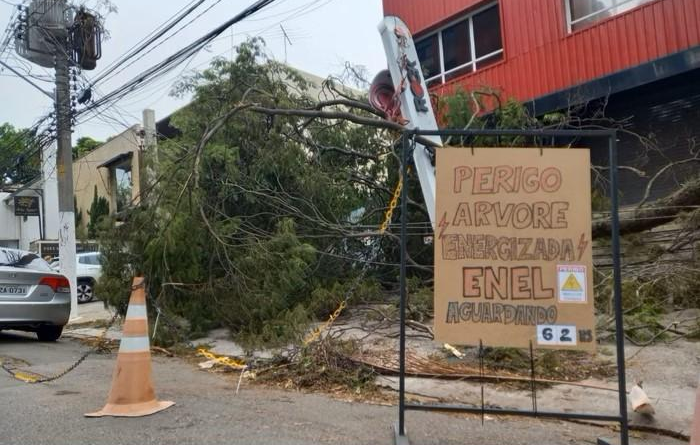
{"type": "Point", "coordinates": [656, 213]}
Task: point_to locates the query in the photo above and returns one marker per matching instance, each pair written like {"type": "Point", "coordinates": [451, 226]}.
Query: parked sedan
{"type": "Point", "coordinates": [32, 296]}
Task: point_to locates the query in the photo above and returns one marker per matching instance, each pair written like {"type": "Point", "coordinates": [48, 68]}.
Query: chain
{"type": "Point", "coordinates": [316, 333]}
{"type": "Point", "coordinates": [392, 206]}
{"type": "Point", "coordinates": [30, 377]}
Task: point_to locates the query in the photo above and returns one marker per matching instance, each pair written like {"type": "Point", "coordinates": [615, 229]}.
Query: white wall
{"type": "Point", "coordinates": [22, 229]}
{"type": "Point", "coordinates": [9, 223]}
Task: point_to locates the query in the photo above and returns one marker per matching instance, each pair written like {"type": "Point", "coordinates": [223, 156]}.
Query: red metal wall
{"type": "Point", "coordinates": [542, 57]}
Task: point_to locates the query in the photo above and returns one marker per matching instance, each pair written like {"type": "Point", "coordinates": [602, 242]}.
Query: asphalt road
{"type": "Point", "coordinates": [209, 412]}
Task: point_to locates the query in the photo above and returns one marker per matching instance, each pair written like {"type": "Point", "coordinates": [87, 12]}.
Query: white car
{"type": "Point", "coordinates": [88, 271]}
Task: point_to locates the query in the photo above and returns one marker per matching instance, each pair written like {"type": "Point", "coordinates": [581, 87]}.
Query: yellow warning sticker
{"type": "Point", "coordinates": [571, 283]}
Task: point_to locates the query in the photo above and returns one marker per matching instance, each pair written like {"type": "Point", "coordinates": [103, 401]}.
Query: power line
{"type": "Point", "coordinates": [114, 73]}
{"type": "Point", "coordinates": [174, 60]}
{"type": "Point", "coordinates": [26, 79]}
{"type": "Point", "coordinates": [109, 70]}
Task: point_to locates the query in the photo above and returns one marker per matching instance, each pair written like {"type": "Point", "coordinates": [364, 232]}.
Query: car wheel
{"type": "Point", "coordinates": [86, 292]}
{"type": "Point", "coordinates": [49, 333]}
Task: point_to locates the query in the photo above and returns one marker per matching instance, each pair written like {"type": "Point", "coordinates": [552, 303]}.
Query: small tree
{"type": "Point", "coordinates": [19, 155]}
{"type": "Point", "coordinates": [85, 145]}
{"type": "Point", "coordinates": [98, 210]}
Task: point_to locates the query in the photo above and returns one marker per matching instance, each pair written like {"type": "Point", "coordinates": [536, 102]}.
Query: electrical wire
{"type": "Point", "coordinates": [173, 61]}
{"type": "Point", "coordinates": [112, 69]}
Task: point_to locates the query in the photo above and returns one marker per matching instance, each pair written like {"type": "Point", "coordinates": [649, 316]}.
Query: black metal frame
{"type": "Point", "coordinates": [611, 136]}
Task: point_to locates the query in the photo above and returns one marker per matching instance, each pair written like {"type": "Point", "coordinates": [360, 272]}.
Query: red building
{"type": "Point", "coordinates": [641, 58]}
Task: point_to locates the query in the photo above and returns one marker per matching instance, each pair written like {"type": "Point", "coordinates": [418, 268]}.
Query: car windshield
{"type": "Point", "coordinates": [24, 260]}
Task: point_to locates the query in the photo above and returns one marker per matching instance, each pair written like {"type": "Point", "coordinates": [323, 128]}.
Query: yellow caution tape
{"type": "Point", "coordinates": [222, 359]}
{"type": "Point", "coordinates": [25, 377]}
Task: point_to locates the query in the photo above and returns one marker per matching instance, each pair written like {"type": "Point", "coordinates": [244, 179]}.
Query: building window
{"type": "Point", "coordinates": [462, 46]}
{"type": "Point", "coordinates": [582, 13]}
{"type": "Point", "coordinates": [429, 55]}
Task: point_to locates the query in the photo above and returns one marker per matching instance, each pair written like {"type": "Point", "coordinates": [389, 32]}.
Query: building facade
{"type": "Point", "coordinates": [534, 48]}
{"type": "Point", "coordinates": [637, 60]}
{"type": "Point", "coordinates": [112, 171]}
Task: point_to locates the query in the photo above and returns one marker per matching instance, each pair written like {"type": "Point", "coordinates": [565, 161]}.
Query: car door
{"type": "Point", "coordinates": [92, 265]}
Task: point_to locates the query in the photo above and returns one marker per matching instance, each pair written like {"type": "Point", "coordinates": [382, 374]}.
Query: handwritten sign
{"type": "Point", "coordinates": [513, 255]}
{"type": "Point", "coordinates": [26, 205]}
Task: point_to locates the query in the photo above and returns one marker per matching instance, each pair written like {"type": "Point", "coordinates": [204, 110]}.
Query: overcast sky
{"type": "Point", "coordinates": [324, 35]}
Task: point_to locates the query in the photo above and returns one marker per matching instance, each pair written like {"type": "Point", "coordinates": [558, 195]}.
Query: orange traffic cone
{"type": "Point", "coordinates": [132, 393]}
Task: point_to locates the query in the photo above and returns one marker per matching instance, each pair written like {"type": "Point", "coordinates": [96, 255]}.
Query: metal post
{"type": "Point", "coordinates": [42, 218]}
{"type": "Point", "coordinates": [617, 290]}
{"type": "Point", "coordinates": [400, 433]}
{"type": "Point", "coordinates": [64, 173]}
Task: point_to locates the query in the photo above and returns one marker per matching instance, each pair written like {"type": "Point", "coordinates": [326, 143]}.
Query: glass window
{"type": "Point", "coordinates": [92, 259]}
{"type": "Point", "coordinates": [584, 8]}
{"type": "Point", "coordinates": [487, 32]}
{"type": "Point", "coordinates": [483, 63]}
{"type": "Point", "coordinates": [124, 187]}
{"type": "Point", "coordinates": [459, 72]}
{"type": "Point", "coordinates": [456, 45]}
{"type": "Point", "coordinates": [428, 51]}
{"type": "Point", "coordinates": [452, 51]}
{"type": "Point", "coordinates": [586, 12]}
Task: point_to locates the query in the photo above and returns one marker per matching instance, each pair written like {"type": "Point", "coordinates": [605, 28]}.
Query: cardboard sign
{"type": "Point", "coordinates": [513, 254]}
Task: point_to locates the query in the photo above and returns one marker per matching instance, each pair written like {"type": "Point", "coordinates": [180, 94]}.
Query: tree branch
{"type": "Point", "coordinates": [657, 213]}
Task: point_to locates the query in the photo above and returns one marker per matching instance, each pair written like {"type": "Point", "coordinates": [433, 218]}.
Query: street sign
{"type": "Point", "coordinates": [513, 255]}
{"type": "Point", "coordinates": [26, 205]}
{"type": "Point", "coordinates": [416, 108]}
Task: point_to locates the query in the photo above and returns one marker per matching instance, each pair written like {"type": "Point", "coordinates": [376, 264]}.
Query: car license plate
{"type": "Point", "coordinates": [12, 290]}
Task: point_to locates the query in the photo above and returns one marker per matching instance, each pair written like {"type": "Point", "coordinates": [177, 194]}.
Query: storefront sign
{"type": "Point", "coordinates": [26, 205]}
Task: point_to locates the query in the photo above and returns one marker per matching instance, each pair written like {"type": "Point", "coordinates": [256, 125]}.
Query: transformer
{"type": "Point", "coordinates": [43, 25]}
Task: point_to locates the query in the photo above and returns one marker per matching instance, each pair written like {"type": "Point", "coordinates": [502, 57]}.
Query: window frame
{"type": "Point", "coordinates": [472, 42]}
{"type": "Point", "coordinates": [570, 23]}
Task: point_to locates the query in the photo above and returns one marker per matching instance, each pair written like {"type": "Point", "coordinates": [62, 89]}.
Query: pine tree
{"type": "Point", "coordinates": [98, 210]}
